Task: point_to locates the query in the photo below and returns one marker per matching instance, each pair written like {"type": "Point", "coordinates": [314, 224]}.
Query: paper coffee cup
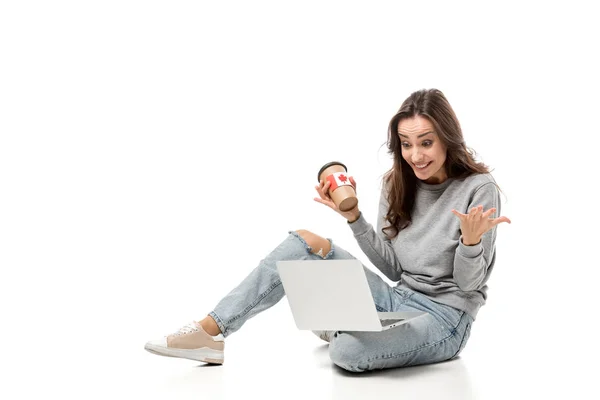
{"type": "Point", "coordinates": [340, 190]}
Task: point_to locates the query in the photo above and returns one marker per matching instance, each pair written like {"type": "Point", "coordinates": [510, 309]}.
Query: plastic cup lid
{"type": "Point", "coordinates": [329, 164]}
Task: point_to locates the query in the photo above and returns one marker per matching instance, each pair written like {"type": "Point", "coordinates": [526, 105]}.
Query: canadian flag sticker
{"type": "Point", "coordinates": [338, 179]}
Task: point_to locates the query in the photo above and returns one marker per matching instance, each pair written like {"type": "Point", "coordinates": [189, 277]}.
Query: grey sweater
{"type": "Point", "coordinates": [428, 256]}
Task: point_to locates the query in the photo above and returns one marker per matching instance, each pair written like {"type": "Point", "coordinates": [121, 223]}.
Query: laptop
{"type": "Point", "coordinates": [335, 295]}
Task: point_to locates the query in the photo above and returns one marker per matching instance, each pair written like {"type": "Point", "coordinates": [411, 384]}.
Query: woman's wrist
{"type": "Point", "coordinates": [354, 217]}
{"type": "Point", "coordinates": [470, 242]}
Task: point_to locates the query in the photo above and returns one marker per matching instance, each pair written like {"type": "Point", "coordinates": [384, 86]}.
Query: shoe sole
{"type": "Point", "coordinates": [203, 354]}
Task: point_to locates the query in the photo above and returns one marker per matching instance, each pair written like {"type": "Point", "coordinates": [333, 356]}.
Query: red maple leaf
{"type": "Point", "coordinates": [342, 178]}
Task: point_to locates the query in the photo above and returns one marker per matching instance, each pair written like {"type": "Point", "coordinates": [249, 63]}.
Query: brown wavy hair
{"type": "Point", "coordinates": [400, 179]}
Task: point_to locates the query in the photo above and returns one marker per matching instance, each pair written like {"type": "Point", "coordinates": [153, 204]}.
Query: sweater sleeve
{"type": "Point", "coordinates": [377, 247]}
{"type": "Point", "coordinates": [472, 264]}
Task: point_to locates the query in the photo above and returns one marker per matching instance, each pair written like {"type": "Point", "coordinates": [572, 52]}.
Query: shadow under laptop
{"type": "Point", "coordinates": [447, 380]}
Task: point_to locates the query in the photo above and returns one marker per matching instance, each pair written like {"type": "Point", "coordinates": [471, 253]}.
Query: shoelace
{"type": "Point", "coordinates": [189, 328]}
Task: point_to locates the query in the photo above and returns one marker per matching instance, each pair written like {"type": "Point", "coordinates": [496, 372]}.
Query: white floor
{"type": "Point", "coordinates": [283, 362]}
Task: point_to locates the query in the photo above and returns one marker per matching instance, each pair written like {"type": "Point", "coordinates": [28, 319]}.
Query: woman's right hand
{"type": "Point", "coordinates": [323, 190]}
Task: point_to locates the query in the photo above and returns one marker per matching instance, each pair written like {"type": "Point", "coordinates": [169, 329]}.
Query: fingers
{"type": "Point", "coordinates": [325, 202]}
{"type": "Point", "coordinates": [324, 199]}
{"type": "Point", "coordinates": [459, 215]}
{"type": "Point", "coordinates": [495, 221]}
{"type": "Point", "coordinates": [476, 213]}
{"type": "Point", "coordinates": [322, 189]}
{"type": "Point", "coordinates": [499, 220]}
{"type": "Point", "coordinates": [476, 210]}
{"type": "Point", "coordinates": [488, 213]}
{"type": "Point", "coordinates": [326, 187]}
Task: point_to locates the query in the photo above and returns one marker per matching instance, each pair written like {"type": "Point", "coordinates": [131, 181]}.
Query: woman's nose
{"type": "Point", "coordinates": [416, 156]}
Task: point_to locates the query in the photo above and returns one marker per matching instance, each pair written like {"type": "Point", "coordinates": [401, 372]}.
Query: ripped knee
{"type": "Point", "coordinates": [318, 245]}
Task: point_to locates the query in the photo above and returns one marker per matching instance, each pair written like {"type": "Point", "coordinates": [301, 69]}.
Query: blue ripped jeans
{"type": "Point", "coordinates": [438, 336]}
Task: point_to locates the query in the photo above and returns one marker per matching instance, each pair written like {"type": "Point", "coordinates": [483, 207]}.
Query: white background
{"type": "Point", "coordinates": [152, 152]}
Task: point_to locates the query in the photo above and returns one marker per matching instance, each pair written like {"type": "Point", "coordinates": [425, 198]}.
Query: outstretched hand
{"type": "Point", "coordinates": [324, 198]}
{"type": "Point", "coordinates": [474, 224]}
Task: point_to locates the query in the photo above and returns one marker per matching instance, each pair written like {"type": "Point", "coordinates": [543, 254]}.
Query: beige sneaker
{"type": "Point", "coordinates": [191, 342]}
{"type": "Point", "coordinates": [324, 335]}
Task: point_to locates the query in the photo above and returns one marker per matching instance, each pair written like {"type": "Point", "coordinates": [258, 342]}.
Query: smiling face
{"type": "Point", "coordinates": [422, 149]}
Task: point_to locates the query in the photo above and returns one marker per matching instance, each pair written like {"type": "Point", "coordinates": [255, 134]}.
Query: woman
{"type": "Point", "coordinates": [435, 236]}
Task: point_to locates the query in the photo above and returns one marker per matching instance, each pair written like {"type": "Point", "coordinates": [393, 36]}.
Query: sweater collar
{"type": "Point", "coordinates": [434, 187]}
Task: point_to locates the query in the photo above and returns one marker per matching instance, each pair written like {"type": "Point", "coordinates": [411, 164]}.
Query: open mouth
{"type": "Point", "coordinates": [421, 167]}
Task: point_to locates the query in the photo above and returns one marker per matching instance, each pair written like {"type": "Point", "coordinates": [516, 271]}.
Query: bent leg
{"type": "Point", "coordinates": [262, 288]}
{"type": "Point", "coordinates": [438, 336]}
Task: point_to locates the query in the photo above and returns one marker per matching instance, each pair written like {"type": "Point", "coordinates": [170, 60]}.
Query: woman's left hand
{"type": "Point", "coordinates": [474, 224]}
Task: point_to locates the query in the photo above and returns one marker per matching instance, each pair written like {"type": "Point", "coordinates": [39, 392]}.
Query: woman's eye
{"type": "Point", "coordinates": [426, 143]}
